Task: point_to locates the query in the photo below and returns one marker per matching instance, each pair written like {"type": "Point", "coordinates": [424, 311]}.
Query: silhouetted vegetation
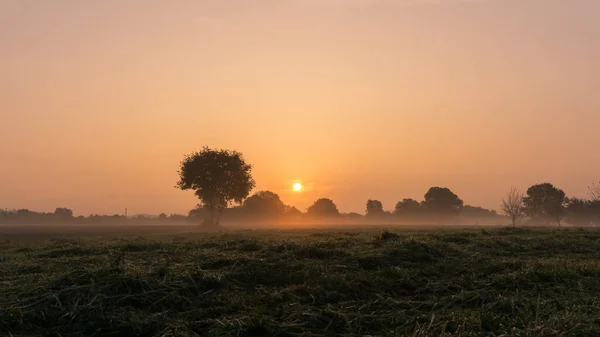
{"type": "Point", "coordinates": [375, 209]}
{"type": "Point", "coordinates": [408, 209]}
{"type": "Point", "coordinates": [545, 203]}
{"type": "Point", "coordinates": [323, 208]}
{"type": "Point", "coordinates": [264, 204]}
{"type": "Point", "coordinates": [512, 206]}
{"type": "Point", "coordinates": [218, 178]}
{"type": "Point", "coordinates": [440, 200]}
{"type": "Point", "coordinates": [64, 216]}
{"type": "Point", "coordinates": [582, 212]}
{"type": "Point", "coordinates": [222, 178]}
{"type": "Point", "coordinates": [595, 191]}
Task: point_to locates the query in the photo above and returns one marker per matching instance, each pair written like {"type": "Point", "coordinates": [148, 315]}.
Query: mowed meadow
{"type": "Point", "coordinates": [317, 282]}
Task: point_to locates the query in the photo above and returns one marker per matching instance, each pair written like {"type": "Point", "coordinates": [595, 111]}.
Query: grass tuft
{"type": "Point", "coordinates": [388, 236]}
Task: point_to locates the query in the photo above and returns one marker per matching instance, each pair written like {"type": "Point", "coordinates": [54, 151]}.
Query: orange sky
{"type": "Point", "coordinates": [359, 99]}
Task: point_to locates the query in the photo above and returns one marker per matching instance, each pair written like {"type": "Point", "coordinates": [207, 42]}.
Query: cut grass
{"type": "Point", "coordinates": [513, 282]}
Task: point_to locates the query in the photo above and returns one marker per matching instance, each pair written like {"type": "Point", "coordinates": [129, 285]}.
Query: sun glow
{"type": "Point", "coordinates": [297, 187]}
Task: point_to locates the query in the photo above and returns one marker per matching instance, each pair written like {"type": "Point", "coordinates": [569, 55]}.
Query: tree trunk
{"type": "Point", "coordinates": [209, 221]}
{"type": "Point", "coordinates": [218, 217]}
{"type": "Point", "coordinates": [514, 222]}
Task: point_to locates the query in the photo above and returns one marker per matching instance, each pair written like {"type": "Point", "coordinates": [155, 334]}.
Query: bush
{"type": "Point", "coordinates": [387, 235]}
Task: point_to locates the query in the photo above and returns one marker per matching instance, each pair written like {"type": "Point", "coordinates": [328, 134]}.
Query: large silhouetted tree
{"type": "Point", "coordinates": [374, 208]}
{"type": "Point", "coordinates": [264, 203]}
{"type": "Point", "coordinates": [323, 208]}
{"type": "Point", "coordinates": [218, 178]}
{"type": "Point", "coordinates": [512, 206]}
{"type": "Point", "coordinates": [442, 201]}
{"type": "Point", "coordinates": [544, 201]}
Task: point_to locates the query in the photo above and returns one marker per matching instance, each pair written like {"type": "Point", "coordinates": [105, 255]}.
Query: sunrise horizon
{"type": "Point", "coordinates": [299, 168]}
{"type": "Point", "coordinates": [354, 100]}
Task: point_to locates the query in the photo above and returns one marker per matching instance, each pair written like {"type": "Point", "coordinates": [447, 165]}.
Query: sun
{"type": "Point", "coordinates": [297, 187]}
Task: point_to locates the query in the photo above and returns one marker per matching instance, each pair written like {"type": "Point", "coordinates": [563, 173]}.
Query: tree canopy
{"type": "Point", "coordinates": [264, 203]}
{"type": "Point", "coordinates": [545, 202]}
{"type": "Point", "coordinates": [323, 207]}
{"type": "Point", "coordinates": [63, 212]}
{"type": "Point", "coordinates": [374, 208]}
{"type": "Point", "coordinates": [407, 206]}
{"type": "Point", "coordinates": [441, 200]}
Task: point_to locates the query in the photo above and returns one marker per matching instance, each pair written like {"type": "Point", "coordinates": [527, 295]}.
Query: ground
{"type": "Point", "coordinates": [336, 282]}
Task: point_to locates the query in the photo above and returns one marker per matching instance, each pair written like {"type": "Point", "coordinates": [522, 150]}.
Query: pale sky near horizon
{"type": "Point", "coordinates": [358, 99]}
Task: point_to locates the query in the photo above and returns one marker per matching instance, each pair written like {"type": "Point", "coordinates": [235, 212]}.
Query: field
{"type": "Point", "coordinates": [319, 282]}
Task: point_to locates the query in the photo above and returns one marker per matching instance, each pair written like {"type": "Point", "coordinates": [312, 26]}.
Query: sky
{"type": "Point", "coordinates": [358, 99]}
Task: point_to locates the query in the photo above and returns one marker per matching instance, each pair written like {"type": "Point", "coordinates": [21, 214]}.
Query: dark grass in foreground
{"type": "Point", "coordinates": [311, 283]}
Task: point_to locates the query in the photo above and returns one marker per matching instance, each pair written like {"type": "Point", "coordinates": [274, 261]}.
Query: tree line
{"type": "Point", "coordinates": [63, 215]}
{"type": "Point", "coordinates": [221, 178]}
{"type": "Point", "coordinates": [267, 206]}
{"type": "Point", "coordinates": [439, 204]}
{"type": "Point", "coordinates": [544, 204]}
{"type": "Point", "coordinates": [222, 181]}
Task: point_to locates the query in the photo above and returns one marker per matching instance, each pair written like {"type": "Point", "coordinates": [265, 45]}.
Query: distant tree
{"type": "Point", "coordinates": [476, 211]}
{"type": "Point", "coordinates": [218, 178]}
{"type": "Point", "coordinates": [24, 212]}
{"type": "Point", "coordinates": [409, 210]}
{"type": "Point", "coordinates": [291, 211]}
{"type": "Point", "coordinates": [582, 212]}
{"type": "Point", "coordinates": [440, 200]}
{"type": "Point", "coordinates": [353, 216]}
{"type": "Point", "coordinates": [63, 212]}
{"type": "Point", "coordinates": [264, 203]}
{"type": "Point", "coordinates": [593, 207]}
{"type": "Point", "coordinates": [407, 206]}
{"type": "Point", "coordinates": [544, 201]}
{"type": "Point", "coordinates": [177, 217]}
{"type": "Point", "coordinates": [138, 217]}
{"type": "Point", "coordinates": [162, 216]}
{"type": "Point", "coordinates": [578, 211]}
{"type": "Point", "coordinates": [323, 208]}
{"type": "Point", "coordinates": [512, 206]}
{"type": "Point", "coordinates": [198, 212]}
{"type": "Point", "coordinates": [5, 215]}
{"type": "Point", "coordinates": [374, 208]}
{"type": "Point", "coordinates": [115, 218]}
{"type": "Point", "coordinates": [595, 191]}
{"type": "Point", "coordinates": [234, 213]}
